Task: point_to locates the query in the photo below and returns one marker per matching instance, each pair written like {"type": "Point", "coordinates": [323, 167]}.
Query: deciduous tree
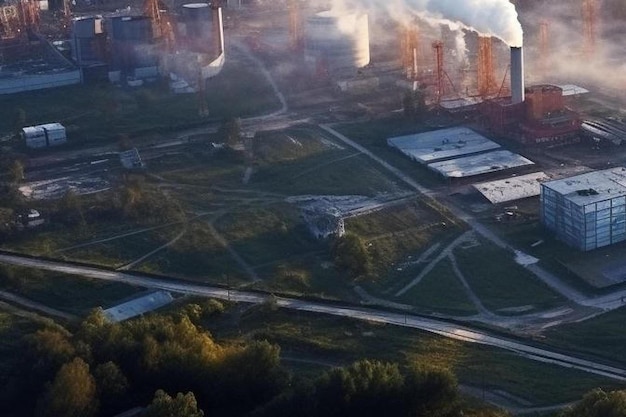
{"type": "Point", "coordinates": [71, 394]}
{"type": "Point", "coordinates": [350, 255]}
{"type": "Point", "coordinates": [183, 405]}
{"type": "Point", "coordinates": [599, 403]}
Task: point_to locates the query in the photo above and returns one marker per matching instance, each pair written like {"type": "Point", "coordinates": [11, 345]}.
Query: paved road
{"type": "Point", "coordinates": [440, 327]}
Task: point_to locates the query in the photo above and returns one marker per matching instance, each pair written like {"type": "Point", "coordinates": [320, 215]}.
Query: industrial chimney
{"type": "Point", "coordinates": [517, 75]}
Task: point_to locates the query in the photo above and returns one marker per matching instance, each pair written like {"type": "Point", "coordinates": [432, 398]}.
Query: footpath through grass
{"type": "Point", "coordinates": [440, 291]}
{"type": "Point", "coordinates": [500, 282]}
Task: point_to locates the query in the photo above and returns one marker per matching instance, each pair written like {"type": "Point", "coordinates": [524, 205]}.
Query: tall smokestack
{"type": "Point", "coordinates": [517, 75]}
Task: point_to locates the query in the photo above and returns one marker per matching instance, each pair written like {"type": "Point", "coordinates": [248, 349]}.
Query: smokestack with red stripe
{"type": "Point", "coordinates": [517, 75]}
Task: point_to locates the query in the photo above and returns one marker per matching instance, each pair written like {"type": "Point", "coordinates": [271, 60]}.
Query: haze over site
{"type": "Point", "coordinates": [497, 18]}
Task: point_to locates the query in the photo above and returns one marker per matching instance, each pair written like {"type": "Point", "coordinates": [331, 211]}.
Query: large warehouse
{"type": "Point", "coordinates": [587, 211]}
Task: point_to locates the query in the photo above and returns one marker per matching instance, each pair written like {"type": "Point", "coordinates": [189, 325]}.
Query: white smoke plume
{"type": "Point", "coordinates": [497, 18]}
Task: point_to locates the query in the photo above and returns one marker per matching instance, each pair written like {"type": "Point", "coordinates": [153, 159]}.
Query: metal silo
{"type": "Point", "coordinates": [337, 41]}
{"type": "Point", "coordinates": [132, 46]}
{"type": "Point", "coordinates": [197, 27]}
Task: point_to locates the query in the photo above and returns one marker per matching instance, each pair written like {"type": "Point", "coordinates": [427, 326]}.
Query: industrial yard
{"type": "Point", "coordinates": [326, 166]}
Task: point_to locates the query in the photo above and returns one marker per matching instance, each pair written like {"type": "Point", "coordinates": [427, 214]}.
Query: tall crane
{"type": "Point", "coordinates": [161, 22]}
{"type": "Point", "coordinates": [152, 10]}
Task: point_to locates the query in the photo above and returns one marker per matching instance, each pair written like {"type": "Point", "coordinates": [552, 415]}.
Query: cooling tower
{"type": "Point", "coordinates": [337, 41]}
{"type": "Point", "coordinates": [517, 75]}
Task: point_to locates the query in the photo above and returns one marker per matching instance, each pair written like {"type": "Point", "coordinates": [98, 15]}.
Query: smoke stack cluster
{"type": "Point", "coordinates": [517, 75]}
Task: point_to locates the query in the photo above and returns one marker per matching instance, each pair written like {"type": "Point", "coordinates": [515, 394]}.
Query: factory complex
{"type": "Point", "coordinates": [129, 47]}
{"type": "Point", "coordinates": [484, 106]}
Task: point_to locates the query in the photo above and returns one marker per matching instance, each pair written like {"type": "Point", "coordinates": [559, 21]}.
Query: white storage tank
{"type": "Point", "coordinates": [337, 41]}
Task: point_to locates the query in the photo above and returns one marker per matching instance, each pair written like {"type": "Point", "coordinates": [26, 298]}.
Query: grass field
{"type": "Point", "coordinates": [440, 291]}
{"type": "Point", "coordinates": [580, 269]}
{"type": "Point", "coordinates": [331, 340]}
{"type": "Point", "coordinates": [602, 336]}
{"type": "Point", "coordinates": [197, 256]}
{"type": "Point", "coordinates": [69, 293]}
{"type": "Point", "coordinates": [500, 282]}
{"type": "Point", "coordinates": [267, 234]}
{"type": "Point", "coordinates": [118, 252]}
{"type": "Point", "coordinates": [311, 274]}
{"type": "Point", "coordinates": [397, 235]}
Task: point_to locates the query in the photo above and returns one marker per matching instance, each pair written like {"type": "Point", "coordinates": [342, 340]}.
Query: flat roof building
{"type": "Point", "coordinates": [484, 163]}
{"type": "Point", "coordinates": [439, 145]}
{"type": "Point", "coordinates": [587, 211]}
{"type": "Point", "coordinates": [513, 188]}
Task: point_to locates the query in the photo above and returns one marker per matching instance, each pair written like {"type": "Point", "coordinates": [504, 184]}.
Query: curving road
{"type": "Point", "coordinates": [440, 327]}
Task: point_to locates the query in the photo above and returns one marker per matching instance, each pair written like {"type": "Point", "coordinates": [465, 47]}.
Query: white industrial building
{"type": "Point", "coordinates": [439, 145]}
{"type": "Point", "coordinates": [43, 136]}
{"type": "Point", "coordinates": [512, 188]}
{"type": "Point", "coordinates": [457, 152]}
{"type": "Point", "coordinates": [480, 164]}
{"type": "Point", "coordinates": [587, 211]}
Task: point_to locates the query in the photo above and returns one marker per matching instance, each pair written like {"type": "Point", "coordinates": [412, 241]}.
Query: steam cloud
{"type": "Point", "coordinates": [497, 18]}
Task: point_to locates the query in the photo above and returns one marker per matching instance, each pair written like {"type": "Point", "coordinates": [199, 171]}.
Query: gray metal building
{"type": "Point", "coordinates": [587, 211]}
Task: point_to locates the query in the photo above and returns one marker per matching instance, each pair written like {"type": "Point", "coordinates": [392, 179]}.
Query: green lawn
{"type": "Point", "coordinates": [334, 172]}
{"type": "Point", "coordinates": [266, 234]}
{"type": "Point", "coordinates": [440, 291]}
{"type": "Point", "coordinates": [500, 282]}
{"type": "Point", "coordinates": [69, 293]}
{"type": "Point", "coordinates": [396, 235]}
{"type": "Point", "coordinates": [118, 252]}
{"type": "Point", "coordinates": [196, 256]}
{"type": "Point", "coordinates": [602, 336]}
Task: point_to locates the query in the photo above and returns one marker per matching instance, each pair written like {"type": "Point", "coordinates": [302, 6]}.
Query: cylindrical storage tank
{"type": "Point", "coordinates": [517, 75]}
{"type": "Point", "coordinates": [131, 29]}
{"type": "Point", "coordinates": [338, 40]}
{"type": "Point", "coordinates": [197, 20]}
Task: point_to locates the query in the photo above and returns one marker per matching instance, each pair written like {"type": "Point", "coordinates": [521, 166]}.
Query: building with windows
{"type": "Point", "coordinates": [587, 211]}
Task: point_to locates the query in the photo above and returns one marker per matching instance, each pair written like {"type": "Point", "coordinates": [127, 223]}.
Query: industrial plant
{"type": "Point", "coordinates": [187, 187]}
{"type": "Point", "coordinates": [44, 48]}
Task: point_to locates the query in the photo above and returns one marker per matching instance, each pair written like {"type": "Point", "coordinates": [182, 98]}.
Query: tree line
{"type": "Point", "coordinates": [172, 367]}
